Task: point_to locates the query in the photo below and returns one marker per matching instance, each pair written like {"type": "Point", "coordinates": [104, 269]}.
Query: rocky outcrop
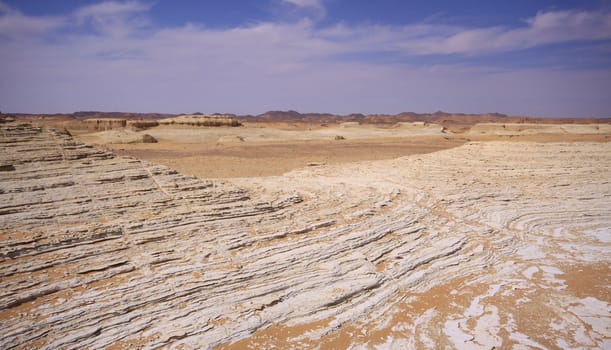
{"type": "Point", "coordinates": [100, 124]}
{"type": "Point", "coordinates": [463, 248]}
{"type": "Point", "coordinates": [142, 124]}
{"type": "Point", "coordinates": [534, 129]}
{"type": "Point", "coordinates": [105, 124]}
{"type": "Point", "coordinates": [202, 120]}
{"type": "Point", "coordinates": [146, 138]}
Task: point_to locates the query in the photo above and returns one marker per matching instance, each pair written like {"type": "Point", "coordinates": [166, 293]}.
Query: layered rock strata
{"type": "Point", "coordinates": [474, 247]}
{"type": "Point", "coordinates": [202, 120]}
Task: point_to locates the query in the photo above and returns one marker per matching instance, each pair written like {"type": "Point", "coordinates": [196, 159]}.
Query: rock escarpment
{"type": "Point", "coordinates": [105, 124]}
{"type": "Point", "coordinates": [202, 120]}
{"type": "Point", "coordinates": [464, 248]}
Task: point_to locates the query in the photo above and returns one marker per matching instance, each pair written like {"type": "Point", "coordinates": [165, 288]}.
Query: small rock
{"type": "Point", "coordinates": [146, 138]}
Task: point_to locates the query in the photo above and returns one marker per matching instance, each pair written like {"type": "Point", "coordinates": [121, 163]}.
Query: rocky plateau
{"type": "Point", "coordinates": [486, 245]}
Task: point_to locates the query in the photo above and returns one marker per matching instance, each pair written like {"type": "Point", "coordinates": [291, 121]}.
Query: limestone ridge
{"type": "Point", "coordinates": [72, 215]}
{"type": "Point", "coordinates": [99, 250]}
{"type": "Point", "coordinates": [186, 259]}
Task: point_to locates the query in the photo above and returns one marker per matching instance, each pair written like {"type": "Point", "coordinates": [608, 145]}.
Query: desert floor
{"type": "Point", "coordinates": [404, 237]}
{"type": "Point", "coordinates": [273, 149]}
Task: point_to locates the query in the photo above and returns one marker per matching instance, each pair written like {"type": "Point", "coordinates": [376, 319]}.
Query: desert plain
{"type": "Point", "coordinates": [301, 234]}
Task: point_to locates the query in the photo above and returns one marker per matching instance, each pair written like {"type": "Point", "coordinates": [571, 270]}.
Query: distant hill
{"type": "Point", "coordinates": [438, 117]}
{"type": "Point", "coordinates": [291, 116]}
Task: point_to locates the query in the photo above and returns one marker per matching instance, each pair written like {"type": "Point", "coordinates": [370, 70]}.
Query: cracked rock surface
{"type": "Point", "coordinates": [485, 245]}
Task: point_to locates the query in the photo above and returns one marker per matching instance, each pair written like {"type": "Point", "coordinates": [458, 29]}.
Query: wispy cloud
{"type": "Point", "coordinates": [128, 63]}
{"type": "Point", "coordinates": [545, 28]}
{"type": "Point", "coordinates": [305, 3]}
{"type": "Point", "coordinates": [13, 24]}
{"type": "Point", "coordinates": [114, 18]}
{"type": "Point", "coordinates": [111, 8]}
{"type": "Point", "coordinates": [303, 38]}
{"type": "Point", "coordinates": [312, 7]}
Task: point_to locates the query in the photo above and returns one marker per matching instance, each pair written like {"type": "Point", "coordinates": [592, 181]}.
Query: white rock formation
{"type": "Point", "coordinates": [466, 248]}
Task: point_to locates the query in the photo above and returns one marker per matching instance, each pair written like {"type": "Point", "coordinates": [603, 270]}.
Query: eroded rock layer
{"type": "Point", "coordinates": [485, 245]}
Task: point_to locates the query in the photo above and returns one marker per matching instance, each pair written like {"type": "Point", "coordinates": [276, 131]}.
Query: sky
{"type": "Point", "coordinates": [519, 57]}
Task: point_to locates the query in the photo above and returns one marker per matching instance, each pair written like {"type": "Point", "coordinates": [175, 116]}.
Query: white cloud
{"type": "Point", "coordinates": [305, 3]}
{"type": "Point", "coordinates": [249, 69]}
{"type": "Point", "coordinates": [114, 18]}
{"type": "Point", "coordinates": [545, 28]}
{"type": "Point", "coordinates": [13, 24]}
{"type": "Point", "coordinates": [311, 7]}
{"type": "Point", "coordinates": [111, 8]}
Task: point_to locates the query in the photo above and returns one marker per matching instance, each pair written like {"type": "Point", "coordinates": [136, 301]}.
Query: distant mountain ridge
{"type": "Point", "coordinates": [292, 116]}
{"type": "Point", "coordinates": [438, 117]}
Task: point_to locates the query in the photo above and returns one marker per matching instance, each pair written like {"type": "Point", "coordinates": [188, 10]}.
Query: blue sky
{"type": "Point", "coordinates": [521, 57]}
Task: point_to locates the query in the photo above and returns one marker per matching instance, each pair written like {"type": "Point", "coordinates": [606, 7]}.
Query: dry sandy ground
{"type": "Point", "coordinates": [481, 246]}
{"type": "Point", "coordinates": [273, 149]}
{"type": "Point", "coordinates": [253, 151]}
